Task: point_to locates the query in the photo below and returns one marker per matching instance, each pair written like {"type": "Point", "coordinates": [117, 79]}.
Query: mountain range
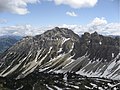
{"type": "Point", "coordinates": [61, 51]}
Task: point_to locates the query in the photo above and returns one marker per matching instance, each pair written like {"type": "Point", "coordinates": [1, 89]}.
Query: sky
{"type": "Point", "coordinates": [31, 17]}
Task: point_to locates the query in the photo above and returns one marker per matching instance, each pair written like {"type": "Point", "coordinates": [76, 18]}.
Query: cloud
{"type": "Point", "coordinates": [28, 30]}
{"type": "Point", "coordinates": [23, 30]}
{"type": "Point", "coordinates": [73, 14]}
{"type": "Point", "coordinates": [98, 24]}
{"type": "Point", "coordinates": [2, 20]}
{"type": "Point", "coordinates": [109, 29]}
{"type": "Point", "coordinates": [99, 21]}
{"type": "Point", "coordinates": [16, 6]}
{"type": "Point", "coordinates": [20, 6]}
{"type": "Point", "coordinates": [76, 3]}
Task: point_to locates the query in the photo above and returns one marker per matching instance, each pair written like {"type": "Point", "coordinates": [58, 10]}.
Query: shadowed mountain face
{"type": "Point", "coordinates": [7, 41]}
{"type": "Point", "coordinates": [60, 50]}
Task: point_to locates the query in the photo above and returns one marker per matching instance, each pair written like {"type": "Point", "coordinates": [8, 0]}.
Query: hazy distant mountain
{"type": "Point", "coordinates": [7, 41]}
{"type": "Point", "coordinates": [60, 50]}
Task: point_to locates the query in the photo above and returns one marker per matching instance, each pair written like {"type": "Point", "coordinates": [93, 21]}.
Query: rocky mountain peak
{"type": "Point", "coordinates": [95, 33]}
{"type": "Point", "coordinates": [58, 33]}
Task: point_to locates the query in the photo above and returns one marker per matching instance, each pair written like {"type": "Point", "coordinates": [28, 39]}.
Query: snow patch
{"type": "Point", "coordinates": [64, 40]}
{"type": "Point", "coordinates": [38, 53]}
{"type": "Point", "coordinates": [113, 55]}
{"type": "Point", "coordinates": [94, 85]}
{"type": "Point", "coordinates": [76, 87]}
{"type": "Point", "coordinates": [57, 88]}
{"type": "Point", "coordinates": [100, 42]}
{"type": "Point", "coordinates": [100, 88]}
{"type": "Point", "coordinates": [49, 87]}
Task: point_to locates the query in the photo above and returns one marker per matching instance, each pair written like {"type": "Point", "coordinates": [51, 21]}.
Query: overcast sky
{"type": "Point", "coordinates": [35, 16]}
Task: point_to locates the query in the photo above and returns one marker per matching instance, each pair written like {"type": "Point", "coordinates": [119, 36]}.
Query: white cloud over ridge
{"type": "Point", "coordinates": [22, 30]}
{"type": "Point", "coordinates": [108, 29]}
{"type": "Point", "coordinates": [76, 3]}
{"type": "Point", "coordinates": [72, 14]}
{"type": "Point", "coordinates": [97, 24]}
{"type": "Point", "coordinates": [100, 25]}
{"type": "Point", "coordinates": [99, 21]}
{"type": "Point", "coordinates": [16, 6]}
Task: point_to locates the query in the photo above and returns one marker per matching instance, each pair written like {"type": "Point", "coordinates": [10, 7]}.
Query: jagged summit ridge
{"type": "Point", "coordinates": [60, 50]}
{"type": "Point", "coordinates": [58, 33]}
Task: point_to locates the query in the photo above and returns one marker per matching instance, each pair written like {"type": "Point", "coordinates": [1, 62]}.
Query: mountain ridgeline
{"type": "Point", "coordinates": [60, 50]}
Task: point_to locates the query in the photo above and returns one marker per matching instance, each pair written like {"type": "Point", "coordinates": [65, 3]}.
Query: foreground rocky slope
{"type": "Point", "coordinates": [52, 81]}
{"type": "Point", "coordinates": [60, 50]}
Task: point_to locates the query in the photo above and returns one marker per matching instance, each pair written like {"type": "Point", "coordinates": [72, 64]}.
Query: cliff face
{"type": "Point", "coordinates": [60, 50]}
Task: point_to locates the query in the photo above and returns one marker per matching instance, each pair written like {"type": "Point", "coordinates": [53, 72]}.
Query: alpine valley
{"type": "Point", "coordinates": [59, 59]}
